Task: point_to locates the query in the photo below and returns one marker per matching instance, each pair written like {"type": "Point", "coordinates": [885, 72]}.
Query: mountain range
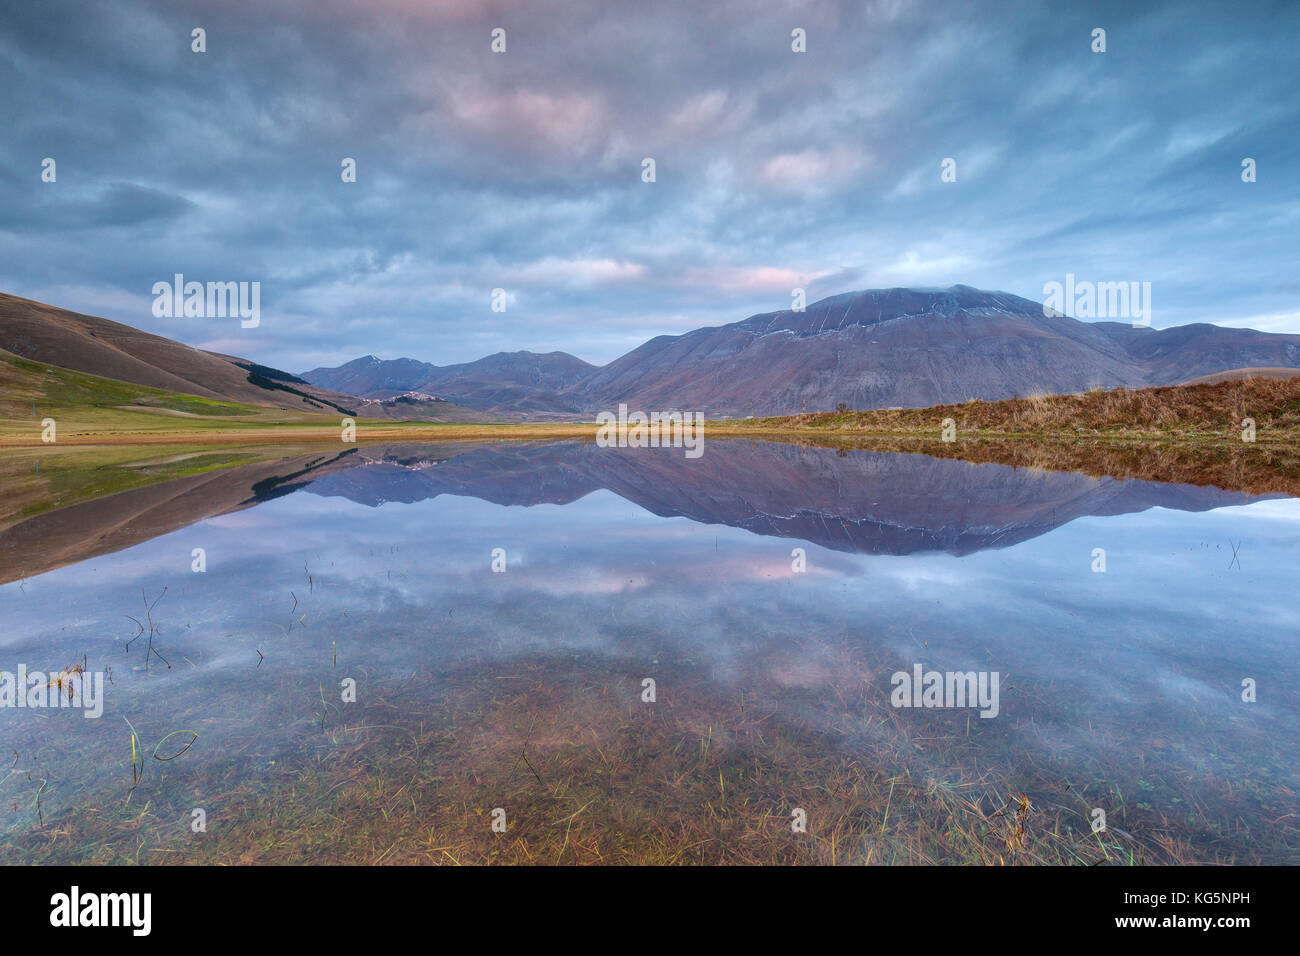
{"type": "Point", "coordinates": [875, 349]}
{"type": "Point", "coordinates": [504, 382]}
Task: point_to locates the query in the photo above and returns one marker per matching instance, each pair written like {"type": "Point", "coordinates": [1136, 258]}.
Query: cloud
{"type": "Point", "coordinates": [772, 280]}
{"type": "Point", "coordinates": [812, 169]}
{"type": "Point", "coordinates": [1271, 322]}
{"type": "Point", "coordinates": [575, 272]}
{"type": "Point", "coordinates": [561, 123]}
{"type": "Point", "coordinates": [521, 170]}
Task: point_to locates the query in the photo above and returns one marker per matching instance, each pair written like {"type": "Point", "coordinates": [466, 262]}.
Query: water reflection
{"type": "Point", "coordinates": [1121, 689]}
{"type": "Point", "coordinates": [866, 502]}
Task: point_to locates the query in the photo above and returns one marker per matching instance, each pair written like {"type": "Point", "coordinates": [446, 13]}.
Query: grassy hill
{"type": "Point", "coordinates": [1240, 373]}
{"type": "Point", "coordinates": [93, 409]}
{"type": "Point", "coordinates": [81, 404]}
{"type": "Point", "coordinates": [86, 343]}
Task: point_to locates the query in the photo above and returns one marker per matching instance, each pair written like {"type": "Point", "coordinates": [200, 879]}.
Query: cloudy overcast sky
{"type": "Point", "coordinates": [522, 170]}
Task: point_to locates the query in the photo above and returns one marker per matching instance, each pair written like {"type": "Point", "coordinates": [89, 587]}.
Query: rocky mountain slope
{"type": "Point", "coordinates": [876, 349]}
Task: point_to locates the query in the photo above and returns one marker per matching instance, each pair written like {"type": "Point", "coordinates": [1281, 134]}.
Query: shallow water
{"type": "Point", "coordinates": [1118, 689]}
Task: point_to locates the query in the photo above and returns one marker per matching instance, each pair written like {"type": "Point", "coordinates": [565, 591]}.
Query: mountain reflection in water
{"type": "Point", "coordinates": [865, 502]}
{"type": "Point", "coordinates": [1119, 690]}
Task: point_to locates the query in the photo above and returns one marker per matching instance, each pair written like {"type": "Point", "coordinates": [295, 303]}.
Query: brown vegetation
{"type": "Point", "coordinates": [1213, 411]}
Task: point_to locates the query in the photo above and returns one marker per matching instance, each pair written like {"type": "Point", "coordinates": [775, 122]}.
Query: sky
{"type": "Point", "coordinates": [522, 170]}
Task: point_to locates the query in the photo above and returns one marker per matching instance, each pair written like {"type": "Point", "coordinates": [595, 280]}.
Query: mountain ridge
{"type": "Point", "coordinates": [872, 349]}
{"type": "Point", "coordinates": [519, 381]}
{"type": "Point", "coordinates": [881, 348]}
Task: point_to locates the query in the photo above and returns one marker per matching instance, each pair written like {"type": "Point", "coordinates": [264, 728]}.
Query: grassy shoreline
{"type": "Point", "coordinates": [766, 429]}
{"type": "Point", "coordinates": [304, 433]}
{"type": "Point", "coordinates": [1207, 412]}
{"type": "Point", "coordinates": [1190, 434]}
{"type": "Point", "coordinates": [1215, 413]}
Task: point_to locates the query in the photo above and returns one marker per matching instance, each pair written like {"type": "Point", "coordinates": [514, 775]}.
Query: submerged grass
{"type": "Point", "coordinates": [589, 774]}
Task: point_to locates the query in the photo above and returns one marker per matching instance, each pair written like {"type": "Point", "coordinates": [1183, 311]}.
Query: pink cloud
{"type": "Point", "coordinates": [757, 279]}
{"type": "Point", "coordinates": [554, 122]}
{"type": "Point", "coordinates": [811, 168]}
{"type": "Point", "coordinates": [575, 271]}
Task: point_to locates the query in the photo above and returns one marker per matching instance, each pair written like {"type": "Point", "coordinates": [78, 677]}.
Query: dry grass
{"type": "Point", "coordinates": [1213, 411]}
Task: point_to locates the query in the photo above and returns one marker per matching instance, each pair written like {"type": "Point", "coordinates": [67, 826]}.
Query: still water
{"type": "Point", "coordinates": [554, 652]}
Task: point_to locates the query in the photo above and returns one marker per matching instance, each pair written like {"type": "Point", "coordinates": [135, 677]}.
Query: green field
{"type": "Point", "coordinates": [92, 409]}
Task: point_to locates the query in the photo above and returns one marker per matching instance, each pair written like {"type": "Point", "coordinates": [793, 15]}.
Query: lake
{"type": "Point", "coordinates": [554, 652]}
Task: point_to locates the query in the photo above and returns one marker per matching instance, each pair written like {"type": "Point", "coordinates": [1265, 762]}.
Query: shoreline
{"type": "Point", "coordinates": [1242, 413]}
{"type": "Point", "coordinates": [422, 431]}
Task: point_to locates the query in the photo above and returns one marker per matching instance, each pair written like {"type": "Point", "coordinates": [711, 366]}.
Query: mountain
{"type": "Point", "coordinates": [507, 381]}
{"type": "Point", "coordinates": [1175, 355]}
{"type": "Point", "coordinates": [876, 349]}
{"type": "Point", "coordinates": [914, 348]}
{"type": "Point", "coordinates": [84, 343]}
{"type": "Point", "coordinates": [369, 377]}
